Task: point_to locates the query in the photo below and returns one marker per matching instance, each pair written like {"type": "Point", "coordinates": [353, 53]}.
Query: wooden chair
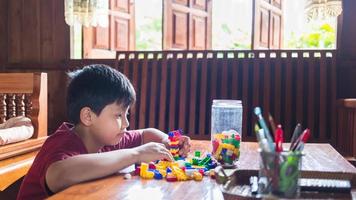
{"type": "Point", "coordinates": [22, 94]}
{"type": "Point", "coordinates": [346, 128]}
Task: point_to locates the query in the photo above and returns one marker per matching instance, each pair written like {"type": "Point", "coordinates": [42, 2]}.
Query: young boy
{"type": "Point", "coordinates": [96, 142]}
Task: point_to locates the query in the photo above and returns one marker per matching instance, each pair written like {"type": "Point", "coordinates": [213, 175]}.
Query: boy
{"type": "Point", "coordinates": [96, 143]}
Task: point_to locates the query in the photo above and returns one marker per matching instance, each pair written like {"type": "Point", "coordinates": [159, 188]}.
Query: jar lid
{"type": "Point", "coordinates": [227, 103]}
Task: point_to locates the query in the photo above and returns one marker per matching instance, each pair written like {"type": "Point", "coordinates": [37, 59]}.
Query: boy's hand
{"type": "Point", "coordinates": [153, 151]}
{"type": "Point", "coordinates": [184, 146]}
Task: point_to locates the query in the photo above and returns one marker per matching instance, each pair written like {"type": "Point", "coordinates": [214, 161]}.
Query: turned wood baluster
{"type": "Point", "coordinates": [11, 106]}
{"type": "Point", "coordinates": [3, 108]}
{"type": "Point", "coordinates": [20, 104]}
{"type": "Point", "coordinates": [28, 105]}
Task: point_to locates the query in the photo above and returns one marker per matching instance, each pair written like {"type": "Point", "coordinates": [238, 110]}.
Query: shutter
{"type": "Point", "coordinates": [102, 42]}
{"type": "Point", "coordinates": [187, 24]}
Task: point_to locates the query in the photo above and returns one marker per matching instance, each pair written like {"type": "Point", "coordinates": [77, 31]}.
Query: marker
{"type": "Point", "coordinates": [264, 144]}
{"type": "Point", "coordinates": [257, 129]}
{"type": "Point", "coordinates": [263, 124]}
{"type": "Point", "coordinates": [278, 137]}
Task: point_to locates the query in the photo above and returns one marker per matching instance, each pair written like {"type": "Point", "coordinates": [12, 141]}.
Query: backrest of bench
{"type": "Point", "coordinates": [25, 94]}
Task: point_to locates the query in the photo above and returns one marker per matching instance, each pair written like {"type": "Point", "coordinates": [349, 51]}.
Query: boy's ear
{"type": "Point", "coordinates": [86, 116]}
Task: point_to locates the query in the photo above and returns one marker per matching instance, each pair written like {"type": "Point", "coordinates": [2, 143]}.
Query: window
{"type": "Point", "coordinates": [203, 24]}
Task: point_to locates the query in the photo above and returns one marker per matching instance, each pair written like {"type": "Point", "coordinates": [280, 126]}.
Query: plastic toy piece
{"type": "Point", "coordinates": [171, 177]}
{"type": "Point", "coordinates": [197, 176]}
{"type": "Point", "coordinates": [144, 173]}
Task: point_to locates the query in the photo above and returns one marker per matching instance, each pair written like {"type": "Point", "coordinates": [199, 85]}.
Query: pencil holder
{"type": "Point", "coordinates": [279, 173]}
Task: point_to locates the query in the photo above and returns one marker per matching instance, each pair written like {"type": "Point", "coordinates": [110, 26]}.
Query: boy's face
{"type": "Point", "coordinates": [109, 126]}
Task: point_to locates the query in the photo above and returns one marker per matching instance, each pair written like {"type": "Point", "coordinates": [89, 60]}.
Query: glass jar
{"type": "Point", "coordinates": [226, 129]}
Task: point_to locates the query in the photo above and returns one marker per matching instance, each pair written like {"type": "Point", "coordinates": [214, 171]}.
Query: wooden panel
{"type": "Point", "coordinates": [187, 25]}
{"type": "Point", "coordinates": [47, 27]}
{"type": "Point", "coordinates": [198, 36]}
{"type": "Point", "coordinates": [38, 32]}
{"type": "Point", "coordinates": [101, 38]}
{"type": "Point", "coordinates": [4, 8]}
{"type": "Point", "coordinates": [15, 28]}
{"type": "Point", "coordinates": [182, 2]}
{"type": "Point", "coordinates": [121, 5]}
{"type": "Point", "coordinates": [31, 30]}
{"type": "Point", "coordinates": [264, 28]}
{"type": "Point", "coordinates": [122, 34]}
{"type": "Point", "coordinates": [180, 30]}
{"type": "Point", "coordinates": [201, 4]}
{"type": "Point", "coordinates": [275, 31]}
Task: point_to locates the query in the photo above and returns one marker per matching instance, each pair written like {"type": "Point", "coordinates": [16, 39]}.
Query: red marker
{"type": "Point", "coordinates": [299, 145]}
{"type": "Point", "coordinates": [278, 138]}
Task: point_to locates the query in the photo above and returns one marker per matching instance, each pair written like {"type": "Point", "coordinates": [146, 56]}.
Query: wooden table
{"type": "Point", "coordinates": [116, 187]}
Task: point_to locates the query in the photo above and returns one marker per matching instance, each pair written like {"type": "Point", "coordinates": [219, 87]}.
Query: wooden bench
{"type": "Point", "coordinates": [22, 94]}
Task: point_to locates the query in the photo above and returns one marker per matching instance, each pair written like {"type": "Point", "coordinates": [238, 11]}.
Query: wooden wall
{"type": "Point", "coordinates": [33, 31]}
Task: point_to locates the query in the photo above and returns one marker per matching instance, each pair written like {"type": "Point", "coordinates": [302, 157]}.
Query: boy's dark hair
{"type": "Point", "coordinates": [95, 86]}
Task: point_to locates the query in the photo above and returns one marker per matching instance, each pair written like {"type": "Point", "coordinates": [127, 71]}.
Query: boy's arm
{"type": "Point", "coordinates": [76, 169]}
{"type": "Point", "coordinates": [154, 135]}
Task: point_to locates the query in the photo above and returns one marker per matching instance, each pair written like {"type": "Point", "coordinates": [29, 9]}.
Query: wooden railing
{"type": "Point", "coordinates": [176, 88]}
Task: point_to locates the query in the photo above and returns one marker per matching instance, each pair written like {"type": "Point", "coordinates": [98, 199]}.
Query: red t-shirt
{"type": "Point", "coordinates": [63, 144]}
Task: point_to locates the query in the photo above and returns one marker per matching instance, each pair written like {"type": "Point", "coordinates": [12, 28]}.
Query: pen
{"type": "Point", "coordinates": [296, 134]}
{"type": "Point", "coordinates": [299, 145]}
{"type": "Point", "coordinates": [271, 121]}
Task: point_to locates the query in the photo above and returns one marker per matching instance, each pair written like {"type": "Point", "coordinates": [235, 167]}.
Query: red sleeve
{"type": "Point", "coordinates": [71, 149]}
{"type": "Point", "coordinates": [130, 139]}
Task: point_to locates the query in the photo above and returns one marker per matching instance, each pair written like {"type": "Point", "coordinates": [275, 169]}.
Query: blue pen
{"type": "Point", "coordinates": [263, 124]}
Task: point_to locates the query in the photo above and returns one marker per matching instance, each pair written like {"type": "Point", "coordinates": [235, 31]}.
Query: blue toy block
{"type": "Point", "coordinates": [158, 175]}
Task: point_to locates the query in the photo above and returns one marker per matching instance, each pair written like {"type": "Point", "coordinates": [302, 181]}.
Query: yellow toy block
{"type": "Point", "coordinates": [218, 151]}
{"type": "Point", "coordinates": [228, 146]}
{"type": "Point", "coordinates": [148, 175]}
{"type": "Point", "coordinates": [174, 151]}
{"type": "Point", "coordinates": [197, 176]}
{"type": "Point", "coordinates": [198, 167]}
{"type": "Point", "coordinates": [143, 169]}
{"type": "Point", "coordinates": [174, 143]}
{"type": "Point", "coordinates": [179, 173]}
{"type": "Point", "coordinates": [219, 136]}
{"type": "Point", "coordinates": [163, 172]}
